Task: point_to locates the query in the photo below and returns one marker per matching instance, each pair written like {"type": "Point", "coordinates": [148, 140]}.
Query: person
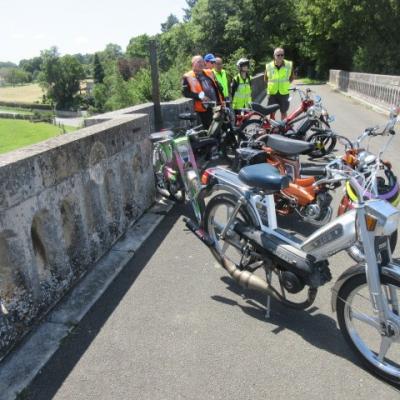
{"type": "Point", "coordinates": [278, 76]}
{"type": "Point", "coordinates": [200, 85]}
{"type": "Point", "coordinates": [241, 86]}
{"type": "Point", "coordinates": [209, 60]}
{"type": "Point", "coordinates": [221, 77]}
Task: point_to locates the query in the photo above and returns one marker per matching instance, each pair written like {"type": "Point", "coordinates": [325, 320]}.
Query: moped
{"type": "Point", "coordinates": [240, 227]}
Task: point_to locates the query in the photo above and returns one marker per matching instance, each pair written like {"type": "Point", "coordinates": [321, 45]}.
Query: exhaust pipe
{"type": "Point", "coordinates": [244, 278]}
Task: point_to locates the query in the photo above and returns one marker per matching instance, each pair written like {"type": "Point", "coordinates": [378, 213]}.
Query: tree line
{"type": "Point", "coordinates": [318, 35]}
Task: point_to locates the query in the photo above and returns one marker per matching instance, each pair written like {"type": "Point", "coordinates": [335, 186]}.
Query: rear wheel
{"type": "Point", "coordinates": [216, 215]}
{"type": "Point", "coordinates": [377, 348]}
{"type": "Point", "coordinates": [324, 144]}
{"type": "Point", "coordinates": [250, 128]}
{"type": "Point", "coordinates": [169, 188]}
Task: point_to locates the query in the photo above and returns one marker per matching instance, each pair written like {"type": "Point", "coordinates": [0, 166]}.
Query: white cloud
{"type": "Point", "coordinates": [39, 36]}
{"type": "Point", "coordinates": [18, 36]}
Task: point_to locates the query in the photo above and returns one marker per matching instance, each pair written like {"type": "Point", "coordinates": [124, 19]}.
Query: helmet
{"type": "Point", "coordinates": [388, 189]}
{"type": "Point", "coordinates": [242, 62]}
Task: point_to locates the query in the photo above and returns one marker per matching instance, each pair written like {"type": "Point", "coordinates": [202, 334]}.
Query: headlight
{"type": "Point", "coordinates": [382, 217]}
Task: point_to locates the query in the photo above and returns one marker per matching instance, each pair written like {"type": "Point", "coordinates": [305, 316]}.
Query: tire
{"type": "Point", "coordinates": [249, 128]}
{"type": "Point", "coordinates": [324, 143]}
{"type": "Point", "coordinates": [163, 186]}
{"type": "Point", "coordinates": [366, 345]}
{"type": "Point", "coordinates": [228, 201]}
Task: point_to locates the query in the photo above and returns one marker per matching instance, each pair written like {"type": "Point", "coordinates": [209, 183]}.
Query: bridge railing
{"type": "Point", "coordinates": [381, 90]}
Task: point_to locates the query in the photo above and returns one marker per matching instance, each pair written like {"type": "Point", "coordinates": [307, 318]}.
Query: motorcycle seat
{"type": "Point", "coordinates": [264, 176]}
{"type": "Point", "coordinates": [264, 110]}
{"type": "Point", "coordinates": [158, 136]}
{"type": "Point", "coordinates": [187, 116]}
{"type": "Point", "coordinates": [287, 146]}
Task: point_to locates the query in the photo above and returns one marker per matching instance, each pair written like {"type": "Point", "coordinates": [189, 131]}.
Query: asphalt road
{"type": "Point", "coordinates": [174, 326]}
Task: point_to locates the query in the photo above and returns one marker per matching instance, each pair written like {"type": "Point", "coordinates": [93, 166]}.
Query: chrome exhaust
{"type": "Point", "coordinates": [244, 278]}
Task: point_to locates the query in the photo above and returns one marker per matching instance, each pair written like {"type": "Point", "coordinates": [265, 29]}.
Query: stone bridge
{"type": "Point", "coordinates": [64, 203]}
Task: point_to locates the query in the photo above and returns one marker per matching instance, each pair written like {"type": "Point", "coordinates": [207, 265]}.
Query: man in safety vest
{"type": "Point", "coordinates": [200, 85]}
{"type": "Point", "coordinates": [221, 77]}
{"type": "Point", "coordinates": [241, 86]}
{"type": "Point", "coordinates": [278, 76]}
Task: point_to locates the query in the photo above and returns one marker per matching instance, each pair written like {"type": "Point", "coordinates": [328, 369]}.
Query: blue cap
{"type": "Point", "coordinates": [209, 58]}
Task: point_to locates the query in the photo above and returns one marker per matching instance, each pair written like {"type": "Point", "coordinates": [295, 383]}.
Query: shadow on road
{"type": "Point", "coordinates": [317, 329]}
{"type": "Point", "coordinates": [52, 376]}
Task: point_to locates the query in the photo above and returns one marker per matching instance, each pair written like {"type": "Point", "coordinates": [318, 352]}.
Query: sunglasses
{"type": "Point", "coordinates": [279, 55]}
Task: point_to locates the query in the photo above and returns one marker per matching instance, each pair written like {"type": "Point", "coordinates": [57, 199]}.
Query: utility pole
{"type": "Point", "coordinates": [155, 84]}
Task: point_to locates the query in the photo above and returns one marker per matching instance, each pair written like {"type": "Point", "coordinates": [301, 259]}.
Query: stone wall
{"type": "Point", "coordinates": [380, 90]}
{"type": "Point", "coordinates": [63, 203]}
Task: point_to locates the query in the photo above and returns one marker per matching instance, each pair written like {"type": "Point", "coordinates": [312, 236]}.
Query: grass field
{"type": "Point", "coordinates": [15, 134]}
{"type": "Point", "coordinates": [21, 94]}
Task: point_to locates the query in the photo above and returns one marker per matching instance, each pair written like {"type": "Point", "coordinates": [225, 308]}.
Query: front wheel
{"type": "Point", "coordinates": [377, 348]}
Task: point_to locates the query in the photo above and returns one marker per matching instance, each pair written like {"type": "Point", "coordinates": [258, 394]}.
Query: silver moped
{"type": "Point", "coordinates": [240, 227]}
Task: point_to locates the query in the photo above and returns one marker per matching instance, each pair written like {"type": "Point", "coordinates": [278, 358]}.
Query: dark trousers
{"type": "Point", "coordinates": [206, 117]}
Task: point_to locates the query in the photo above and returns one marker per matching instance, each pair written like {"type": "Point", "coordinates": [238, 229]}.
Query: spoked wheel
{"type": "Point", "coordinates": [216, 215]}
{"type": "Point", "coordinates": [324, 144]}
{"type": "Point", "coordinates": [250, 128]}
{"type": "Point", "coordinates": [172, 189]}
{"type": "Point", "coordinates": [377, 347]}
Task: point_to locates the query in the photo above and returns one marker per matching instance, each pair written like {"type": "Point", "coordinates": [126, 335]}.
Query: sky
{"type": "Point", "coordinates": [74, 26]}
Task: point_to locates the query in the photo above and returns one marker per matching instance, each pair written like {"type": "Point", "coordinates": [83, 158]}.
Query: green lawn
{"type": "Point", "coordinates": [15, 134]}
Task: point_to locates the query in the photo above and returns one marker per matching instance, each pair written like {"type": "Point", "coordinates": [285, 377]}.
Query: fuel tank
{"type": "Point", "coordinates": [335, 236]}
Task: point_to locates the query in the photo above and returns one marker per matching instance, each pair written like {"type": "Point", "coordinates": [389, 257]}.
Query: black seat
{"type": "Point", "coordinates": [157, 136]}
{"type": "Point", "coordinates": [188, 116]}
{"type": "Point", "coordinates": [290, 147]}
{"type": "Point", "coordinates": [264, 110]}
{"type": "Point", "coordinates": [265, 177]}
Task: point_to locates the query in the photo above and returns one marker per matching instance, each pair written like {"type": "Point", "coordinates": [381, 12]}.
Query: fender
{"type": "Point", "coordinates": [391, 270]}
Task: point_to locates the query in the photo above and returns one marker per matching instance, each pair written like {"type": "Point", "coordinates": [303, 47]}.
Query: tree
{"type": "Point", "coordinates": [15, 76]}
{"type": "Point", "coordinates": [60, 77]}
{"type": "Point", "coordinates": [169, 23]}
{"type": "Point", "coordinates": [98, 71]}
{"type": "Point", "coordinates": [138, 47]}
{"type": "Point", "coordinates": [188, 11]}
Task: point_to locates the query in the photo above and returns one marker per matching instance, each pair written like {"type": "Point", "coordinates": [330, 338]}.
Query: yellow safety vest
{"type": "Point", "coordinates": [242, 97]}
{"type": "Point", "coordinates": [222, 78]}
{"type": "Point", "coordinates": [278, 78]}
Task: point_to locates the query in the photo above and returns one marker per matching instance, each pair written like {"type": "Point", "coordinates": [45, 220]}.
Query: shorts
{"type": "Point", "coordinates": [281, 99]}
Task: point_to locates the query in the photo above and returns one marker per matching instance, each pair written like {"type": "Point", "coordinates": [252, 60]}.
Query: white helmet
{"type": "Point", "coordinates": [243, 61]}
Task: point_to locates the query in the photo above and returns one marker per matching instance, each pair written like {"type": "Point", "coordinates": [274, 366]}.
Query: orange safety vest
{"type": "Point", "coordinates": [195, 87]}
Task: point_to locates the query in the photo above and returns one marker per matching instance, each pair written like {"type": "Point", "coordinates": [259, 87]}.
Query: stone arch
{"type": "Point", "coordinates": [74, 233]}
{"type": "Point", "coordinates": [113, 203]}
{"type": "Point", "coordinates": [95, 220]}
{"type": "Point", "coordinates": [128, 185]}
{"type": "Point", "coordinates": [97, 158]}
{"type": "Point", "coordinates": [10, 277]}
{"type": "Point", "coordinates": [49, 247]}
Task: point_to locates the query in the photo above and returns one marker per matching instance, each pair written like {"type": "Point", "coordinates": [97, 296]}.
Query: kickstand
{"type": "Point", "coordinates": [268, 302]}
